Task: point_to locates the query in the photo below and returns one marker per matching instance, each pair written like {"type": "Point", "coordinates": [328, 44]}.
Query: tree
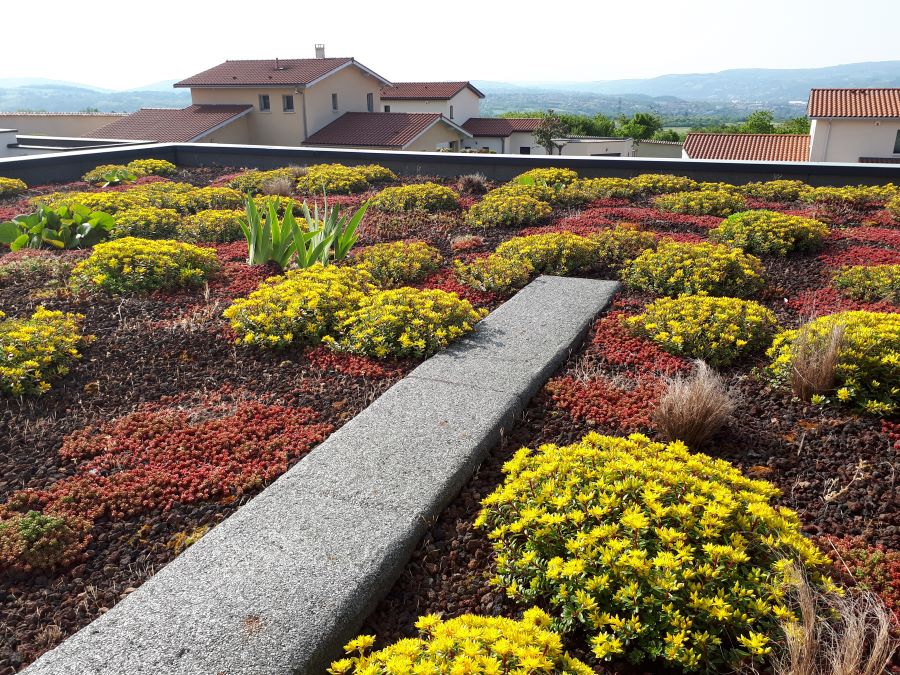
{"type": "Point", "coordinates": [759, 122]}
{"type": "Point", "coordinates": [795, 125]}
{"type": "Point", "coordinates": [640, 127]}
{"type": "Point", "coordinates": [551, 126]}
{"type": "Point", "coordinates": [668, 135]}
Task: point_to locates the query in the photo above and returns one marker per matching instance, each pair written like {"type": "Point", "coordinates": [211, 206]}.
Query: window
{"type": "Point", "coordinates": [370, 102]}
{"type": "Point", "coordinates": [897, 144]}
{"type": "Point", "coordinates": [334, 105]}
{"type": "Point", "coordinates": [451, 112]}
{"type": "Point", "coordinates": [387, 108]}
{"type": "Point", "coordinates": [264, 103]}
{"type": "Point", "coordinates": [525, 150]}
{"type": "Point", "coordinates": [287, 103]}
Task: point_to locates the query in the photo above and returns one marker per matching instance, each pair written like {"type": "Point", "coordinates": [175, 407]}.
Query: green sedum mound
{"type": "Point", "coordinates": [702, 202]}
{"type": "Point", "coordinates": [399, 262]}
{"type": "Point", "coordinates": [770, 232]}
{"type": "Point", "coordinates": [429, 197]}
{"type": "Point", "coordinates": [466, 644]}
{"type": "Point", "coordinates": [869, 283]}
{"type": "Point", "coordinates": [653, 552]}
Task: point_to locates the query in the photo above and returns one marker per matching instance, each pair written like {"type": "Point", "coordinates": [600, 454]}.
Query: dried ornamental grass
{"type": "Point", "coordinates": [653, 552]}
{"type": "Point", "coordinates": [466, 644]}
{"type": "Point", "coordinates": [693, 408]}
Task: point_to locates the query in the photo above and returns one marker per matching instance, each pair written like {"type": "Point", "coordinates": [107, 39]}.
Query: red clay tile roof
{"type": "Point", "coordinates": [264, 73]}
{"type": "Point", "coordinates": [854, 103]}
{"type": "Point", "coordinates": [170, 125]}
{"type": "Point", "coordinates": [500, 126]}
{"type": "Point", "coordinates": [377, 130]}
{"type": "Point", "coordinates": [759, 147]}
{"type": "Point", "coordinates": [436, 91]}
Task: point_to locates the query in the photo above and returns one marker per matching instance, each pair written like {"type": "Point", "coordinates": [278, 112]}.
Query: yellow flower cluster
{"type": "Point", "coordinates": [675, 269]}
{"type": "Point", "coordinates": [854, 195]}
{"type": "Point", "coordinates": [10, 187]}
{"type": "Point", "coordinates": [661, 183]}
{"type": "Point", "coordinates": [398, 263]}
{"type": "Point", "coordinates": [132, 265]}
{"type": "Point", "coordinates": [299, 307]}
{"type": "Point", "coordinates": [508, 206]}
{"type": "Point", "coordinates": [868, 365]}
{"type": "Point", "coordinates": [202, 199]}
{"type": "Point", "coordinates": [96, 174]}
{"type": "Point", "coordinates": [619, 246]}
{"type": "Point", "coordinates": [870, 284]}
{"type": "Point", "coordinates": [770, 232]}
{"type": "Point", "coordinates": [151, 167]}
{"type": "Point", "coordinates": [466, 645]}
{"type": "Point", "coordinates": [557, 253]}
{"type": "Point", "coordinates": [653, 552]}
{"type": "Point", "coordinates": [282, 204]}
{"type": "Point", "coordinates": [701, 202]}
{"type": "Point", "coordinates": [893, 207]}
{"type": "Point", "coordinates": [212, 225]}
{"type": "Point", "coordinates": [37, 350]}
{"type": "Point", "coordinates": [776, 190]}
{"type": "Point", "coordinates": [108, 202]}
{"type": "Point", "coordinates": [148, 222]}
{"type": "Point", "coordinates": [589, 189]}
{"type": "Point", "coordinates": [332, 179]}
{"type": "Point", "coordinates": [720, 187]}
{"type": "Point", "coordinates": [493, 273]}
{"type": "Point", "coordinates": [416, 196]}
{"type": "Point", "coordinates": [252, 180]}
{"type": "Point", "coordinates": [717, 330]}
{"type": "Point", "coordinates": [181, 197]}
{"type": "Point", "coordinates": [403, 322]}
{"type": "Point", "coordinates": [375, 173]}
{"type": "Point", "coordinates": [162, 195]}
{"type": "Point", "coordinates": [551, 176]}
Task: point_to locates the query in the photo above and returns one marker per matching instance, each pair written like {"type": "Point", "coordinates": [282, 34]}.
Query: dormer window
{"type": "Point", "coordinates": [264, 105]}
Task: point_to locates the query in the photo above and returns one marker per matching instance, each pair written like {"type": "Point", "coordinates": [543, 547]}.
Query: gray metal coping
{"type": "Point", "coordinates": [282, 584]}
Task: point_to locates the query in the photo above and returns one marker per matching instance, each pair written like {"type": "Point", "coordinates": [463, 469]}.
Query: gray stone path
{"type": "Point", "coordinates": [283, 583]}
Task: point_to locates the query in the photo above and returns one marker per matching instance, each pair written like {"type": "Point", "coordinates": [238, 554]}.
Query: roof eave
{"type": "Point", "coordinates": [224, 123]}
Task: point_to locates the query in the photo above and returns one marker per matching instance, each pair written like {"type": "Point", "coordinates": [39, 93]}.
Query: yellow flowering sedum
{"type": "Point", "coordinates": [675, 269]}
{"type": "Point", "coordinates": [148, 222]}
{"type": "Point", "coordinates": [589, 189]}
{"type": "Point", "coordinates": [252, 180]}
{"type": "Point", "coordinates": [201, 199]}
{"type": "Point", "coordinates": [702, 202]}
{"type": "Point", "coordinates": [776, 190]}
{"type": "Point", "coordinates": [662, 183]}
{"type": "Point", "coordinates": [429, 197]}
{"type": "Point", "coordinates": [493, 273]}
{"type": "Point", "coordinates": [717, 330]}
{"type": "Point", "coordinates": [399, 262]}
{"type": "Point", "coordinates": [619, 246]}
{"type": "Point", "coordinates": [403, 322]}
{"type": "Point", "coordinates": [212, 225]}
{"type": "Point", "coordinates": [108, 202]}
{"type": "Point", "coordinates": [466, 645]}
{"type": "Point", "coordinates": [508, 208]}
{"type": "Point", "coordinates": [151, 167]}
{"type": "Point", "coordinates": [852, 195]}
{"type": "Point", "coordinates": [770, 232]}
{"type": "Point", "coordinates": [132, 265]}
{"type": "Point", "coordinates": [652, 551]}
{"type": "Point", "coordinates": [332, 179]}
{"type": "Point", "coordinates": [299, 307]}
{"type": "Point", "coordinates": [869, 284]}
{"type": "Point", "coordinates": [375, 173]}
{"type": "Point", "coordinates": [551, 176]}
{"type": "Point", "coordinates": [10, 187]}
{"type": "Point", "coordinates": [559, 253]}
{"type": "Point", "coordinates": [868, 365]}
{"type": "Point", "coordinates": [37, 350]}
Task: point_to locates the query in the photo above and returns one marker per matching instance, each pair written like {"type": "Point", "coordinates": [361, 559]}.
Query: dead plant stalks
{"type": "Point", "coordinates": [814, 361]}
{"type": "Point", "coordinates": [694, 407]}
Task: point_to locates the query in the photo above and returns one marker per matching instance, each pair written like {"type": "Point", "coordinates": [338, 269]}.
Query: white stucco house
{"type": "Point", "coordinates": [854, 125]}
{"type": "Point", "coordinates": [457, 101]}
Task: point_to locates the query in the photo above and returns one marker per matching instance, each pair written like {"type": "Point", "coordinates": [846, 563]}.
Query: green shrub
{"type": "Point", "coordinates": [661, 183]}
{"type": "Point", "coordinates": [10, 187]}
{"type": "Point", "coordinates": [867, 370]}
{"type": "Point", "coordinates": [147, 222]}
{"type": "Point", "coordinates": [132, 265]}
{"type": "Point", "coordinates": [501, 208]}
{"type": "Point", "coordinates": [332, 179]}
{"type": "Point", "coordinates": [212, 225]}
{"type": "Point", "coordinates": [73, 226]}
{"type": "Point", "coordinates": [701, 202]}
{"type": "Point", "coordinates": [429, 197]}
{"type": "Point", "coordinates": [494, 273]}
{"type": "Point", "coordinates": [655, 553]}
{"type": "Point", "coordinates": [403, 322]}
{"type": "Point", "coordinates": [717, 330]}
{"type": "Point", "coordinates": [399, 263]}
{"type": "Point", "coordinates": [776, 190]}
{"type": "Point", "coordinates": [617, 247]}
{"type": "Point", "coordinates": [770, 232]}
{"type": "Point", "coordinates": [299, 307]}
{"type": "Point", "coordinates": [151, 167]}
{"type": "Point", "coordinates": [38, 350]}
{"type": "Point", "coordinates": [375, 173]}
{"type": "Point", "coordinates": [869, 284]}
{"type": "Point", "coordinates": [252, 180]}
{"type": "Point", "coordinates": [695, 269]}
{"type": "Point", "coordinates": [557, 253]}
{"type": "Point", "coordinates": [467, 644]}
{"type": "Point", "coordinates": [551, 176]}
{"type": "Point", "coordinates": [98, 173]}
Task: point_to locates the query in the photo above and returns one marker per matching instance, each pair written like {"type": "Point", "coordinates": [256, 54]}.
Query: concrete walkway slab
{"type": "Point", "coordinates": [283, 583]}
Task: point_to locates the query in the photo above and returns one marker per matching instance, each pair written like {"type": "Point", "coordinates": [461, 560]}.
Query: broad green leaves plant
{"type": "Point", "coordinates": [73, 226]}
{"type": "Point", "coordinates": [342, 230]}
{"type": "Point", "coordinates": [268, 238]}
{"type": "Point", "coordinates": [118, 176]}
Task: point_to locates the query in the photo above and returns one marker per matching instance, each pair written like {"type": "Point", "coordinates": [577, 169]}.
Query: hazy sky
{"type": "Point", "coordinates": [130, 44]}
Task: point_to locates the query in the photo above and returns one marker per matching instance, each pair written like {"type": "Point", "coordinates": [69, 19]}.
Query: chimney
{"type": "Point", "coordinates": [320, 51]}
{"type": "Point", "coordinates": [278, 65]}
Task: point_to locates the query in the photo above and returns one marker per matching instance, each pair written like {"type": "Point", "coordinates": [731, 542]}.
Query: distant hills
{"type": "Point", "coordinates": [680, 99]}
